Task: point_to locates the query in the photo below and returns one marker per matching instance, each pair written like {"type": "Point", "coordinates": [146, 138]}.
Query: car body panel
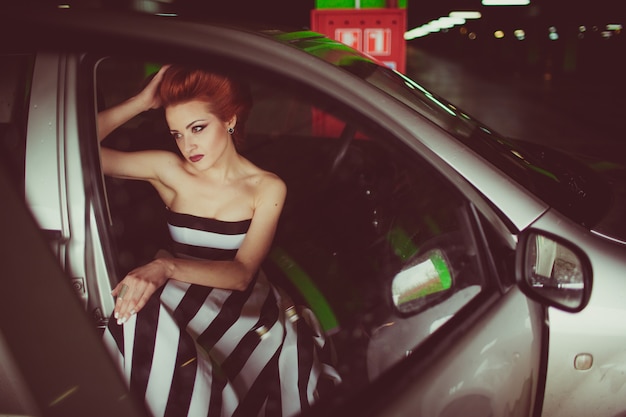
{"type": "Point", "coordinates": [45, 199]}
{"type": "Point", "coordinates": [56, 182]}
{"type": "Point", "coordinates": [567, 388]}
{"type": "Point", "coordinates": [497, 362]}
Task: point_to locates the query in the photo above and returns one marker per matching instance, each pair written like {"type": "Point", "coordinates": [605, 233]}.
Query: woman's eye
{"type": "Point", "coordinates": [198, 128]}
{"type": "Point", "coordinates": [177, 136]}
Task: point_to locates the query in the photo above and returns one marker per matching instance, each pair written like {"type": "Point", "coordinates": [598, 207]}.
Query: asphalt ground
{"type": "Point", "coordinates": [585, 115]}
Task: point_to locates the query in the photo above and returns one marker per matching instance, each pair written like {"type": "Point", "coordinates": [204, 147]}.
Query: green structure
{"type": "Point", "coordinates": [364, 4]}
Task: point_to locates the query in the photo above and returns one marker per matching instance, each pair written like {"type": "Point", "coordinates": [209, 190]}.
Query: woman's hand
{"type": "Point", "coordinates": [112, 118]}
{"type": "Point", "coordinates": [148, 96]}
{"type": "Point", "coordinates": [134, 291]}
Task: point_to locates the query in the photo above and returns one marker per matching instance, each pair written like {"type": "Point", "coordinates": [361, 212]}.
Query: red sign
{"type": "Point", "coordinates": [349, 36]}
{"type": "Point", "coordinates": [376, 32]}
{"type": "Point", "coordinates": [377, 41]}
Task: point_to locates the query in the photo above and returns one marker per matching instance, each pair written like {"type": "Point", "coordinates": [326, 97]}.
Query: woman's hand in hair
{"type": "Point", "coordinates": [112, 118]}
{"type": "Point", "coordinates": [149, 96]}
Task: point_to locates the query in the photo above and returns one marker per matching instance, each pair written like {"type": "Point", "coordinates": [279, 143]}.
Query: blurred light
{"type": "Point", "coordinates": [607, 34]}
{"type": "Point", "coordinates": [466, 14]}
{"type": "Point", "coordinates": [440, 24]}
{"type": "Point", "coordinates": [167, 14]}
{"type": "Point", "coordinates": [520, 34]}
{"type": "Point", "coordinates": [415, 33]}
{"type": "Point", "coordinates": [582, 28]}
{"type": "Point", "coordinates": [430, 27]}
{"type": "Point", "coordinates": [440, 104]}
{"type": "Point", "coordinates": [63, 6]}
{"type": "Point", "coordinates": [505, 2]}
{"type": "Point", "coordinates": [498, 34]}
{"type": "Point", "coordinates": [553, 35]}
{"type": "Point", "coordinates": [451, 20]}
{"type": "Point", "coordinates": [472, 36]}
{"type": "Point", "coordinates": [614, 26]}
{"type": "Point", "coordinates": [443, 23]}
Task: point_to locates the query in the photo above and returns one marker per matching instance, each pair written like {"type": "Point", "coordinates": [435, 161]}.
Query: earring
{"type": "Point", "coordinates": [230, 130]}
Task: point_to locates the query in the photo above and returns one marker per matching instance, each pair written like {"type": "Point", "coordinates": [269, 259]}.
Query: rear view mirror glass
{"type": "Point", "coordinates": [425, 279]}
{"type": "Point", "coordinates": [554, 271]}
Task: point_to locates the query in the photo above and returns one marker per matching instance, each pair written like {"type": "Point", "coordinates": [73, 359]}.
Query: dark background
{"type": "Point", "coordinates": [296, 13]}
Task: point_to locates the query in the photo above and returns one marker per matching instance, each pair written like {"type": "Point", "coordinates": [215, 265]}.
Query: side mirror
{"type": "Point", "coordinates": [553, 271]}
{"type": "Point", "coordinates": [428, 278]}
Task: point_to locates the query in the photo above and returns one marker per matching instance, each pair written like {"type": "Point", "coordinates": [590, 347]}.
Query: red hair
{"type": "Point", "coordinates": [226, 97]}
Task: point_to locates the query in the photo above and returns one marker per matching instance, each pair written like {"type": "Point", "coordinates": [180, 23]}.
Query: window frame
{"type": "Point", "coordinates": [492, 289]}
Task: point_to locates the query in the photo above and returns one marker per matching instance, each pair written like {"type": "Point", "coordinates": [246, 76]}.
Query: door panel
{"type": "Point", "coordinates": [488, 369]}
{"type": "Point", "coordinates": [56, 188]}
{"type": "Point", "coordinates": [45, 176]}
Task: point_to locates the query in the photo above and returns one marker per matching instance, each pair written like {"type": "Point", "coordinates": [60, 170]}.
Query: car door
{"type": "Point", "coordinates": [52, 362]}
{"type": "Point", "coordinates": [366, 213]}
{"type": "Point", "coordinates": [62, 183]}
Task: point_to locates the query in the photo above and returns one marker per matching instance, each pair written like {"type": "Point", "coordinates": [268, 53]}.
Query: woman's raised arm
{"type": "Point", "coordinates": [134, 165]}
{"type": "Point", "coordinates": [112, 118]}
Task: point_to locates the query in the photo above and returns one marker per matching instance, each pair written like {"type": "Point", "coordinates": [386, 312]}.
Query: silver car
{"type": "Point", "coordinates": [450, 267]}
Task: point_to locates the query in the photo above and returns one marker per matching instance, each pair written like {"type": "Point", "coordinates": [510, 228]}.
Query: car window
{"type": "Point", "coordinates": [15, 77]}
{"type": "Point", "coordinates": [372, 239]}
{"type": "Point", "coordinates": [363, 215]}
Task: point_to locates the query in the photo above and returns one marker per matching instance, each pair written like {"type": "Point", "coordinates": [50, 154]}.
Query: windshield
{"type": "Point", "coordinates": [565, 183]}
{"type": "Point", "coordinates": [562, 181]}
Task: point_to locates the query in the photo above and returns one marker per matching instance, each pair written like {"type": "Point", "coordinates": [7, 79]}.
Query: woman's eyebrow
{"type": "Point", "coordinates": [195, 121]}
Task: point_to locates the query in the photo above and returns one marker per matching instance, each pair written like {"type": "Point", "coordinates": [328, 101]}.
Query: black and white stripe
{"type": "Point", "coordinates": [202, 351]}
{"type": "Point", "coordinates": [199, 237]}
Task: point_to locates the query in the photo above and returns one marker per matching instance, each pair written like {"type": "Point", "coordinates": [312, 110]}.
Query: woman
{"type": "Point", "coordinates": [204, 333]}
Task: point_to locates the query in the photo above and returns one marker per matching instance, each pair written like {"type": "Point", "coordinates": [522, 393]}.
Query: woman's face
{"type": "Point", "coordinates": [200, 135]}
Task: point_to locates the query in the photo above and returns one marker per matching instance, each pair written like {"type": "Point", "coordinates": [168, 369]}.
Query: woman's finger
{"type": "Point", "coordinates": [122, 292]}
{"type": "Point", "coordinates": [123, 303]}
{"type": "Point", "coordinates": [136, 289]}
{"type": "Point", "coordinates": [143, 300]}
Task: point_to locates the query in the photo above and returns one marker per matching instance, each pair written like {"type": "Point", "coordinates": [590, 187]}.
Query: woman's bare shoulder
{"type": "Point", "coordinates": [267, 184]}
{"type": "Point", "coordinates": [269, 179]}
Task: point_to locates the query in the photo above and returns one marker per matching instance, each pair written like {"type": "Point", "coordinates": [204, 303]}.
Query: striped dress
{"type": "Point", "coordinates": [202, 351]}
